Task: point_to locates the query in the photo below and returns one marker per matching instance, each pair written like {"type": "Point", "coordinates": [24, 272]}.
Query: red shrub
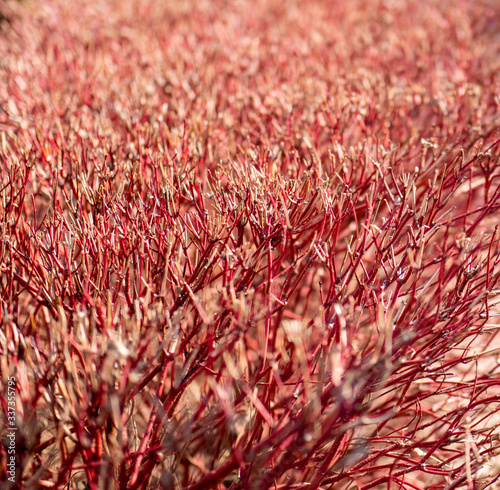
{"type": "Point", "coordinates": [249, 244]}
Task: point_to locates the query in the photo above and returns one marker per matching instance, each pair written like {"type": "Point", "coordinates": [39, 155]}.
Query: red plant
{"type": "Point", "coordinates": [249, 245]}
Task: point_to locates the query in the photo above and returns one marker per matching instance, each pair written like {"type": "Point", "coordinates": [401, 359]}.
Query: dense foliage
{"type": "Point", "coordinates": [250, 244]}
